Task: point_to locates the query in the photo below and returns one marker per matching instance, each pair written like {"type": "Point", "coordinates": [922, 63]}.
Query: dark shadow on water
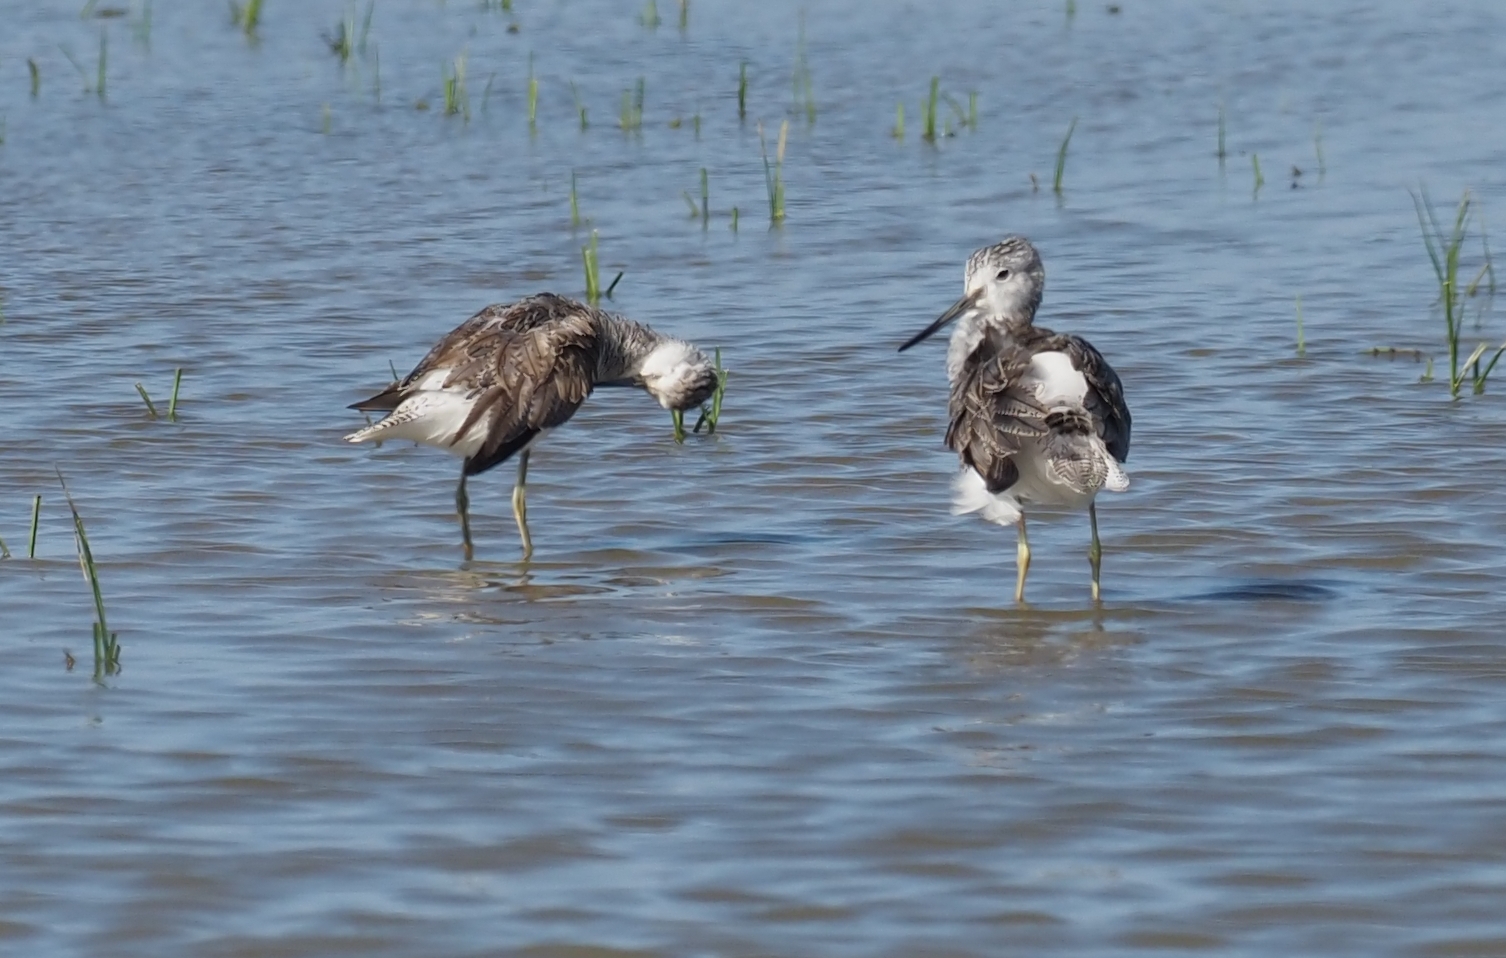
{"type": "Point", "coordinates": [1271, 590]}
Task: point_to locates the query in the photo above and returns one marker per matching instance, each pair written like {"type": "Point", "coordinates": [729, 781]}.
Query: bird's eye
{"type": "Point", "coordinates": [1003, 274]}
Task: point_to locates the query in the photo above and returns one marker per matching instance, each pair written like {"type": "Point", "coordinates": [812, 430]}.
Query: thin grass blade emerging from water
{"type": "Point", "coordinates": [1061, 158]}
{"type": "Point", "coordinates": [711, 413]}
{"type": "Point", "coordinates": [106, 646]}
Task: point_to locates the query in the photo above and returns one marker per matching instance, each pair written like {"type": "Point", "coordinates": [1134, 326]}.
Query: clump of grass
{"type": "Point", "coordinates": [632, 108]}
{"type": "Point", "coordinates": [742, 90]}
{"type": "Point", "coordinates": [1259, 180]}
{"type": "Point", "coordinates": [106, 646]}
{"type": "Point", "coordinates": [773, 173]}
{"type": "Point", "coordinates": [928, 112]}
{"type": "Point", "coordinates": [247, 16]}
{"type": "Point", "coordinates": [1445, 249]}
{"type": "Point", "coordinates": [1061, 159]}
{"type": "Point", "coordinates": [712, 412]}
{"type": "Point", "coordinates": [593, 272]}
{"type": "Point", "coordinates": [580, 107]}
{"type": "Point", "coordinates": [650, 15]}
{"type": "Point", "coordinates": [456, 99]}
{"type": "Point", "coordinates": [533, 97]}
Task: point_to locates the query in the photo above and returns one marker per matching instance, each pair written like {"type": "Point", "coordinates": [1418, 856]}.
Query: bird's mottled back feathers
{"type": "Point", "coordinates": [993, 407]}
{"type": "Point", "coordinates": [526, 367]}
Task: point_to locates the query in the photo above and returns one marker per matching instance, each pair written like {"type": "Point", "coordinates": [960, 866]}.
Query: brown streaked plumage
{"type": "Point", "coordinates": [491, 387]}
{"type": "Point", "coordinates": [1035, 416]}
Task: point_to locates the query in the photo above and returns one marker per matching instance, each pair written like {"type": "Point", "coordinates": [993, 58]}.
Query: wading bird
{"type": "Point", "coordinates": [1037, 417]}
{"type": "Point", "coordinates": [502, 379]}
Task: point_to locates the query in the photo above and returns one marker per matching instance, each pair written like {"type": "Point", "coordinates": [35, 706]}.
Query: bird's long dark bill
{"type": "Point", "coordinates": [958, 308]}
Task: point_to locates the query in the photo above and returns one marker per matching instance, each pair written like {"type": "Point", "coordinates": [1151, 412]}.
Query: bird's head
{"type": "Point", "coordinates": [1004, 284]}
{"type": "Point", "coordinates": [678, 375]}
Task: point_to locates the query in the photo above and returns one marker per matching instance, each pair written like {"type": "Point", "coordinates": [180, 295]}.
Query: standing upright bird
{"type": "Point", "coordinates": [502, 379]}
{"type": "Point", "coordinates": [1037, 417]}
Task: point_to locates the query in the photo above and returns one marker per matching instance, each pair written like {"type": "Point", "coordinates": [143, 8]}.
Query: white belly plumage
{"type": "Point", "coordinates": [432, 416]}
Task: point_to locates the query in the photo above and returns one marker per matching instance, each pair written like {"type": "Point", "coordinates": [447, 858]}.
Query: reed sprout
{"type": "Point", "coordinates": [632, 108]}
{"type": "Point", "coordinates": [106, 646]}
{"type": "Point", "coordinates": [701, 211]}
{"type": "Point", "coordinates": [574, 203]}
{"type": "Point", "coordinates": [456, 99]}
{"type": "Point", "coordinates": [1259, 179]}
{"type": "Point", "coordinates": [151, 409]}
{"type": "Point", "coordinates": [580, 107]}
{"type": "Point", "coordinates": [742, 90]}
{"type": "Point", "coordinates": [5, 549]}
{"type": "Point", "coordinates": [1301, 338]}
{"type": "Point", "coordinates": [684, 15]}
{"type": "Point", "coordinates": [1222, 153]}
{"type": "Point", "coordinates": [247, 16]}
{"type": "Point", "coordinates": [1445, 248]}
{"type": "Point", "coordinates": [141, 27]}
{"type": "Point", "coordinates": [773, 173]}
{"type": "Point", "coordinates": [734, 219]}
{"type": "Point", "coordinates": [36, 516]}
{"type": "Point", "coordinates": [1061, 158]}
{"type": "Point", "coordinates": [36, 76]}
{"type": "Point", "coordinates": [650, 15]}
{"type": "Point", "coordinates": [1318, 148]}
{"type": "Point", "coordinates": [899, 122]}
{"type": "Point", "coordinates": [342, 40]}
{"type": "Point", "coordinates": [801, 81]}
{"type": "Point", "coordinates": [172, 403]}
{"type": "Point", "coordinates": [593, 272]}
{"type": "Point", "coordinates": [712, 412]}
{"type": "Point", "coordinates": [928, 112]}
{"type": "Point", "coordinates": [533, 97]}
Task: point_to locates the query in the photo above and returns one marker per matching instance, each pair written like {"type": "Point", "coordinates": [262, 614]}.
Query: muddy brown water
{"type": "Point", "coordinates": [758, 694]}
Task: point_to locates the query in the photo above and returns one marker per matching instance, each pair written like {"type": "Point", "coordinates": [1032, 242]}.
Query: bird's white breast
{"type": "Point", "coordinates": [1056, 381]}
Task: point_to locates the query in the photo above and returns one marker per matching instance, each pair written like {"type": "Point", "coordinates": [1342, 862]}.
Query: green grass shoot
{"type": "Point", "coordinates": [1318, 148]}
{"type": "Point", "coordinates": [710, 414]}
{"type": "Point", "coordinates": [574, 203]}
{"type": "Point", "coordinates": [1061, 159]}
{"type": "Point", "coordinates": [801, 81]}
{"type": "Point", "coordinates": [106, 648]}
{"type": "Point", "coordinates": [1071, 11]}
{"type": "Point", "coordinates": [1301, 337]}
{"type": "Point", "coordinates": [705, 198]}
{"type": "Point", "coordinates": [650, 15]}
{"type": "Point", "coordinates": [593, 272]}
{"type": "Point", "coordinates": [342, 40]}
{"type": "Point", "coordinates": [456, 99]}
{"type": "Point", "coordinates": [172, 403]}
{"type": "Point", "coordinates": [734, 219]}
{"type": "Point", "coordinates": [533, 97]}
{"type": "Point", "coordinates": [899, 122]}
{"type": "Point", "coordinates": [684, 15]}
{"type": "Point", "coordinates": [580, 107]}
{"type": "Point", "coordinates": [36, 517]}
{"type": "Point", "coordinates": [1259, 179]}
{"type": "Point", "coordinates": [972, 110]}
{"type": "Point", "coordinates": [1221, 151]}
{"type": "Point", "coordinates": [151, 409]}
{"type": "Point", "coordinates": [5, 549]}
{"type": "Point", "coordinates": [773, 174]}
{"type": "Point", "coordinates": [928, 112]}
{"type": "Point", "coordinates": [632, 108]}
{"type": "Point", "coordinates": [742, 90]}
{"type": "Point", "coordinates": [142, 26]}
{"type": "Point", "coordinates": [36, 76]}
{"type": "Point", "coordinates": [247, 16]}
{"type": "Point", "coordinates": [1445, 248]}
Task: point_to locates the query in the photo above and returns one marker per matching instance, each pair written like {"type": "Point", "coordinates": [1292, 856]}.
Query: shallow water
{"type": "Point", "coordinates": [758, 694]}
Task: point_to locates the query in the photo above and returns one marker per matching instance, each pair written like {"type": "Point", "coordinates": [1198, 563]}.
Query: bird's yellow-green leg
{"type": "Point", "coordinates": [1095, 550]}
{"type": "Point", "coordinates": [520, 504]}
{"type": "Point", "coordinates": [462, 508]}
{"type": "Point", "coordinates": [1022, 562]}
{"type": "Point", "coordinates": [679, 420]}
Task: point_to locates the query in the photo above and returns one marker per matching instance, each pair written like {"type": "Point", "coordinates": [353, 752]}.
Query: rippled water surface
{"type": "Point", "coordinates": [759, 694]}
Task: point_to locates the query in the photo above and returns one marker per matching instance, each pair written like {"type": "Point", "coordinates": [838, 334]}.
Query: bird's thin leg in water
{"type": "Point", "coordinates": [1022, 562]}
{"type": "Point", "coordinates": [1095, 550]}
{"type": "Point", "coordinates": [463, 509]}
{"type": "Point", "coordinates": [520, 504]}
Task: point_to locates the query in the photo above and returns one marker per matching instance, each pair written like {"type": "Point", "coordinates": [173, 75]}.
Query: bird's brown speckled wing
{"type": "Point", "coordinates": [526, 367]}
{"type": "Point", "coordinates": [991, 411]}
{"type": "Point", "coordinates": [1105, 397]}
